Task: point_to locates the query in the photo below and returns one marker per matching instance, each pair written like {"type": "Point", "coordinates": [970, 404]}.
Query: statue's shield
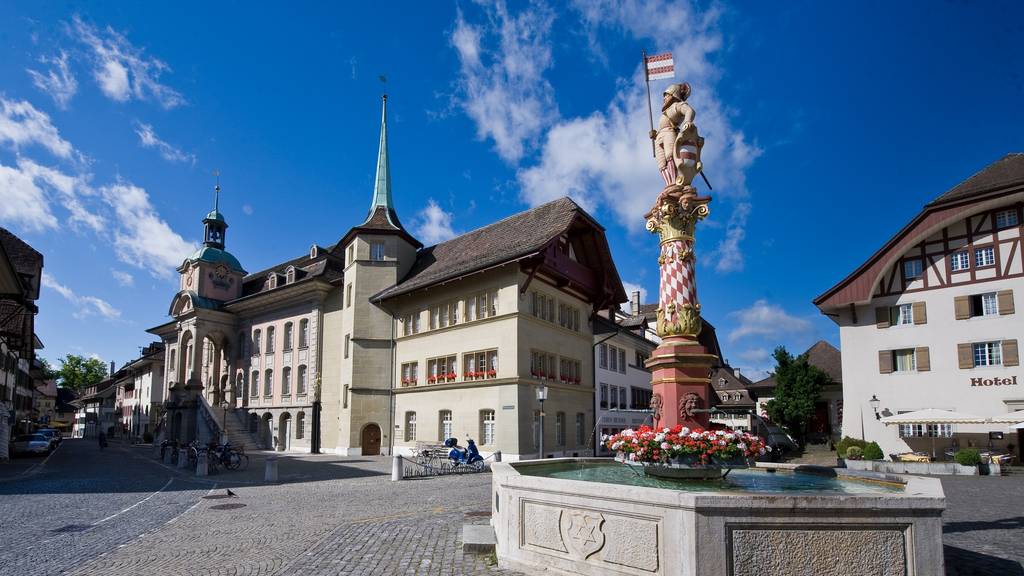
{"type": "Point", "coordinates": [581, 531]}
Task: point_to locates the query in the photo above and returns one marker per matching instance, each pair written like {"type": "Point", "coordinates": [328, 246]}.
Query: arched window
{"type": "Point", "coordinates": [254, 389]}
{"type": "Point", "coordinates": [286, 381]}
{"type": "Point", "coordinates": [289, 275]}
{"type": "Point", "coordinates": [410, 426]}
{"type": "Point", "coordinates": [287, 337]}
{"type": "Point", "coordinates": [174, 358]}
{"type": "Point", "coordinates": [445, 428]}
{"type": "Point", "coordinates": [486, 426]}
{"type": "Point", "coordinates": [303, 333]}
{"type": "Point", "coordinates": [300, 386]}
{"type": "Point", "coordinates": [256, 339]}
{"type": "Point", "coordinates": [300, 425]}
{"type": "Point", "coordinates": [272, 280]}
{"type": "Point", "coordinates": [270, 339]}
{"type": "Point", "coordinates": [268, 382]}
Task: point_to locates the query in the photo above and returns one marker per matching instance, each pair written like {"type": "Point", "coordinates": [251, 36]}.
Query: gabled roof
{"type": "Point", "coordinates": [517, 236]}
{"type": "Point", "coordinates": [27, 262]}
{"type": "Point", "coordinates": [1002, 177]}
{"type": "Point", "coordinates": [822, 356]}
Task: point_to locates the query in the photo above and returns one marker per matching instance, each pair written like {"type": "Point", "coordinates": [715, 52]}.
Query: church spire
{"type": "Point", "coordinates": [382, 183]}
{"type": "Point", "coordinates": [215, 224]}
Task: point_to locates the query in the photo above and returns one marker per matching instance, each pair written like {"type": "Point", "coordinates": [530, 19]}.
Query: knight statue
{"type": "Point", "coordinates": [677, 144]}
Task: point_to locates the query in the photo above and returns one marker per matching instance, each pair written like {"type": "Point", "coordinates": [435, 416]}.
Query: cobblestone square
{"type": "Point", "coordinates": [120, 512]}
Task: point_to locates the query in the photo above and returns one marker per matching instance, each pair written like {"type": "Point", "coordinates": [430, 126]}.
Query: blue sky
{"type": "Point", "coordinates": [828, 126]}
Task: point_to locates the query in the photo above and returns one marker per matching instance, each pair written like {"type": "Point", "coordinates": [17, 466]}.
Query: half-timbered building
{"type": "Point", "coordinates": [930, 320]}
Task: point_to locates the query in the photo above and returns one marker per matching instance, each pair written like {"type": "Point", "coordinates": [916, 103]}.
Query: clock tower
{"type": "Point", "coordinates": [212, 272]}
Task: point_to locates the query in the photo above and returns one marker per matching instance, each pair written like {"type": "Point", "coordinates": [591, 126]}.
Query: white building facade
{"type": "Point", "coordinates": [623, 383]}
{"type": "Point", "coordinates": [930, 320]}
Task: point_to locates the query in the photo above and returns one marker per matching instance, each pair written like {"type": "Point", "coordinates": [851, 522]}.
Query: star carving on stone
{"type": "Point", "coordinates": [584, 532]}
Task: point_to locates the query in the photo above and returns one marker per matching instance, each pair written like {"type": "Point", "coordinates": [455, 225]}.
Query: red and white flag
{"type": "Point", "coordinates": [660, 66]}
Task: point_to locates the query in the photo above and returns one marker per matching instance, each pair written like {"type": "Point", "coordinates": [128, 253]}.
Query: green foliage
{"type": "Point", "coordinates": [845, 444]}
{"type": "Point", "coordinates": [854, 453]}
{"type": "Point", "coordinates": [77, 372]}
{"type": "Point", "coordinates": [797, 388]}
{"type": "Point", "coordinates": [48, 372]}
{"type": "Point", "coordinates": [147, 437]}
{"type": "Point", "coordinates": [873, 452]}
{"type": "Point", "coordinates": [968, 457]}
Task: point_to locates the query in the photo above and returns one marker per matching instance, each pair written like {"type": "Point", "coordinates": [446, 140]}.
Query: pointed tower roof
{"type": "Point", "coordinates": [382, 217]}
{"type": "Point", "coordinates": [212, 251]}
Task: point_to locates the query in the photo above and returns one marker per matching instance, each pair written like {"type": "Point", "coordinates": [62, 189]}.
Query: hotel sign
{"type": "Point", "coordinates": [1011, 381]}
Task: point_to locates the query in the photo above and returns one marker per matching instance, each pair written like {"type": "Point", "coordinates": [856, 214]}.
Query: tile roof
{"type": "Point", "coordinates": [1007, 171]}
{"type": "Point", "coordinates": [27, 262]}
{"type": "Point", "coordinates": [821, 355]}
{"type": "Point", "coordinates": [506, 240]}
{"type": "Point", "coordinates": [325, 265]}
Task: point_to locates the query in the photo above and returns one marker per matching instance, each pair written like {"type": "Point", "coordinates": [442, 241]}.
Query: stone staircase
{"type": "Point", "coordinates": [236, 428]}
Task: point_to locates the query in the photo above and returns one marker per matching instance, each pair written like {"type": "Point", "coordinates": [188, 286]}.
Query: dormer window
{"type": "Point", "coordinates": [289, 275]}
{"type": "Point", "coordinates": [272, 281]}
{"type": "Point", "coordinates": [313, 251]}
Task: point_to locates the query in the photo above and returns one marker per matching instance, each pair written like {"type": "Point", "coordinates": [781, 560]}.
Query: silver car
{"type": "Point", "coordinates": [31, 444]}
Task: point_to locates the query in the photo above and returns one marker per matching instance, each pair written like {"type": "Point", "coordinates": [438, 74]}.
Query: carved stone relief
{"type": "Point", "coordinates": [821, 551]}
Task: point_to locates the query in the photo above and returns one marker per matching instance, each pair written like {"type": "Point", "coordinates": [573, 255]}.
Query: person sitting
{"type": "Point", "coordinates": [472, 453]}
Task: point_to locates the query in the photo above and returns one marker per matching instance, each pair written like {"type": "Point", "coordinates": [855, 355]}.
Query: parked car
{"type": "Point", "coordinates": [31, 444]}
{"type": "Point", "coordinates": [54, 436]}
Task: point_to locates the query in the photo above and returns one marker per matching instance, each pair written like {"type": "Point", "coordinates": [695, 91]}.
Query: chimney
{"type": "Point", "coordinates": [634, 303]}
{"type": "Point", "coordinates": [111, 368]}
{"type": "Point", "coordinates": [736, 371]}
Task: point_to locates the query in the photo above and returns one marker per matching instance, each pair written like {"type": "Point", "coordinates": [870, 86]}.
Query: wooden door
{"type": "Point", "coordinates": [371, 440]}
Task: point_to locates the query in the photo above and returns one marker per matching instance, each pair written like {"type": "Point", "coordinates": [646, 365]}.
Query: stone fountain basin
{"type": "Point", "coordinates": [582, 527]}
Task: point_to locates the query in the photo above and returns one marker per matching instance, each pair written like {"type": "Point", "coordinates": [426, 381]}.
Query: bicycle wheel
{"type": "Point", "coordinates": [232, 461]}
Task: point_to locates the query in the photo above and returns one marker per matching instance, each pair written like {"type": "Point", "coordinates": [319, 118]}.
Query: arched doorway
{"type": "Point", "coordinates": [370, 440]}
{"type": "Point", "coordinates": [266, 432]}
{"type": "Point", "coordinates": [284, 432]}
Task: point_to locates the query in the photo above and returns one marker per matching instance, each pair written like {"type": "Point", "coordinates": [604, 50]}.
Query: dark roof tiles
{"type": "Point", "coordinates": [1007, 171]}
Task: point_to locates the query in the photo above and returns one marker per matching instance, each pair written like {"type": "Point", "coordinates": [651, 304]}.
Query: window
{"type": "Point", "coordinates": [445, 429]}
{"type": "Point", "coordinates": [441, 369]}
{"type": "Point", "coordinates": [377, 250]}
{"type": "Point", "coordinates": [270, 340]}
{"type": "Point", "coordinates": [614, 401]}
{"type": "Point", "coordinates": [569, 371]}
{"type": "Point", "coordinates": [487, 427]}
{"type": "Point", "coordinates": [411, 324]}
{"type": "Point", "coordinates": [543, 365]}
{"type": "Point", "coordinates": [922, 430]}
{"type": "Point", "coordinates": [443, 315]}
{"type": "Point", "coordinates": [581, 429]}
{"type": "Point", "coordinates": [303, 333]}
{"type": "Point", "coordinates": [641, 360]}
{"type": "Point", "coordinates": [300, 426]}
{"type": "Point", "coordinates": [348, 341]}
{"type": "Point", "coordinates": [912, 269]}
{"type": "Point", "coordinates": [602, 355]}
{"type": "Point", "coordinates": [351, 253]}
{"type": "Point", "coordinates": [256, 342]}
{"type": "Point", "coordinates": [344, 396]}
{"type": "Point", "coordinates": [960, 261]}
{"type": "Point", "coordinates": [348, 296]}
{"type": "Point", "coordinates": [482, 305]}
{"type": "Point", "coordinates": [901, 314]}
{"type": "Point", "coordinates": [984, 304]}
{"type": "Point", "coordinates": [613, 358]}
{"type": "Point", "coordinates": [604, 396]}
{"type": "Point", "coordinates": [622, 360]}
{"type": "Point", "coordinates": [903, 360]}
{"type": "Point", "coordinates": [171, 369]}
{"type": "Point", "coordinates": [286, 381]}
{"type": "Point", "coordinates": [254, 389]}
{"type": "Point", "coordinates": [410, 426]}
{"type": "Point", "coordinates": [480, 365]}
{"type": "Point", "coordinates": [300, 386]}
{"type": "Point", "coordinates": [641, 398]}
{"type": "Point", "coordinates": [984, 257]}
{"type": "Point", "coordinates": [1006, 218]}
{"type": "Point", "coordinates": [268, 382]}
{"type": "Point", "coordinates": [560, 429]}
{"type": "Point", "coordinates": [410, 373]}
{"type": "Point", "coordinates": [988, 353]}
{"type": "Point", "coordinates": [288, 337]}
{"type": "Point", "coordinates": [289, 275]}
{"type": "Point", "coordinates": [622, 398]}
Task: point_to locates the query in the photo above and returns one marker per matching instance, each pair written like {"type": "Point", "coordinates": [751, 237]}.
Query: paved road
{"type": "Point", "coordinates": [119, 512]}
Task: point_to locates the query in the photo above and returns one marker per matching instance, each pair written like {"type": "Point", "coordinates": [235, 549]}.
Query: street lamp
{"type": "Point", "coordinates": [542, 395]}
{"type": "Point", "coordinates": [874, 406]}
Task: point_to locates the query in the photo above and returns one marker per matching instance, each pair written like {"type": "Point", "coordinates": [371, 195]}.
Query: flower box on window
{"type": "Point", "coordinates": [492, 374]}
{"type": "Point", "coordinates": [533, 373]}
{"type": "Point", "coordinates": [451, 376]}
{"type": "Point", "coordinates": [431, 379]}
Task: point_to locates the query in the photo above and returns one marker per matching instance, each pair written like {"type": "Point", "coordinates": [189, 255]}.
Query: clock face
{"type": "Point", "coordinates": [221, 271]}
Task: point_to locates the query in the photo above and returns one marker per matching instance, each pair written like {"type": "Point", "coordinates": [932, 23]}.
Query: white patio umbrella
{"type": "Point", "coordinates": [933, 416]}
{"type": "Point", "coordinates": [1011, 418]}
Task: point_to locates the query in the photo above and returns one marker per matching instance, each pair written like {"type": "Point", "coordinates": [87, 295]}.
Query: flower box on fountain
{"type": "Point", "coordinates": [679, 452]}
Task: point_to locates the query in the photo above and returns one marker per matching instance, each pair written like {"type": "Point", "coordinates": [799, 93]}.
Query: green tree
{"type": "Point", "coordinates": [77, 372]}
{"type": "Point", "coordinates": [797, 388]}
{"type": "Point", "coordinates": [48, 372]}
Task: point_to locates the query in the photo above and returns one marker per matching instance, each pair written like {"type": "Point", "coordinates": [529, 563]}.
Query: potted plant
{"type": "Point", "coordinates": [492, 373]}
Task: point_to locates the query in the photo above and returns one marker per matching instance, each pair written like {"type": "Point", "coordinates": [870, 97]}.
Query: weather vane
{"type": "Point", "coordinates": [216, 190]}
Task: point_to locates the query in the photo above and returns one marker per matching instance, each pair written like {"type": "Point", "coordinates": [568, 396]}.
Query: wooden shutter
{"type": "Point", "coordinates": [885, 361]}
{"type": "Point", "coordinates": [962, 307]}
{"type": "Point", "coordinates": [965, 355]}
{"type": "Point", "coordinates": [1005, 299]}
{"type": "Point", "coordinates": [924, 361]}
{"type": "Point", "coordinates": [1010, 355]}
{"type": "Point", "coordinates": [920, 313]}
{"type": "Point", "coordinates": [882, 317]}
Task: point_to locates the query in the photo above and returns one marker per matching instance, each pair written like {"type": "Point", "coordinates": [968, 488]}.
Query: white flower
{"type": "Point", "coordinates": [768, 448]}
{"type": "Point", "coordinates": [632, 456]}
{"type": "Point", "coordinates": [627, 432]}
{"type": "Point", "coordinates": [666, 430]}
{"type": "Point", "coordinates": [695, 436]}
{"type": "Point", "coordinates": [722, 442]}
{"type": "Point", "coordinates": [664, 445]}
{"type": "Point", "coordinates": [659, 437]}
{"type": "Point", "coordinates": [684, 431]}
{"type": "Point", "coordinates": [761, 451]}
{"type": "Point", "coordinates": [742, 446]}
{"type": "Point", "coordinates": [605, 437]}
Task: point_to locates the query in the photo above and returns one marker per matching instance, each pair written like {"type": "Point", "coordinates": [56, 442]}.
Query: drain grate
{"type": "Point", "coordinates": [71, 528]}
{"type": "Point", "coordinates": [227, 506]}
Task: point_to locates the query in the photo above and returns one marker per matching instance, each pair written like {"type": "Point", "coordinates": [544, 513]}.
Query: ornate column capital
{"type": "Point", "coordinates": [676, 212]}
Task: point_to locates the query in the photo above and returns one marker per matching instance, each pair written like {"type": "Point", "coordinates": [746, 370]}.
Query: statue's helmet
{"type": "Point", "coordinates": [679, 91]}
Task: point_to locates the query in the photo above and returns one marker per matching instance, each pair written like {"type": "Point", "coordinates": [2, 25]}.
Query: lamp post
{"type": "Point", "coordinates": [874, 406]}
{"type": "Point", "coordinates": [542, 395]}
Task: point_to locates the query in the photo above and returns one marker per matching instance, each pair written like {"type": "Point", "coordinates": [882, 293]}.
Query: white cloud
{"type": "Point", "coordinates": [755, 355]}
{"type": "Point", "coordinates": [605, 158]}
{"type": "Point", "coordinates": [87, 305]}
{"type": "Point", "coordinates": [143, 239]}
{"type": "Point", "coordinates": [24, 203]}
{"type": "Point", "coordinates": [433, 224]}
{"type": "Point", "coordinates": [70, 190]}
{"type": "Point", "coordinates": [149, 139]}
{"type": "Point", "coordinates": [122, 70]}
{"type": "Point", "coordinates": [630, 287]}
{"type": "Point", "coordinates": [123, 278]}
{"type": "Point", "coordinates": [58, 82]}
{"type": "Point", "coordinates": [727, 256]}
{"type": "Point", "coordinates": [501, 78]}
{"type": "Point", "coordinates": [766, 320]}
{"type": "Point", "coordinates": [29, 190]}
{"type": "Point", "coordinates": [21, 124]}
